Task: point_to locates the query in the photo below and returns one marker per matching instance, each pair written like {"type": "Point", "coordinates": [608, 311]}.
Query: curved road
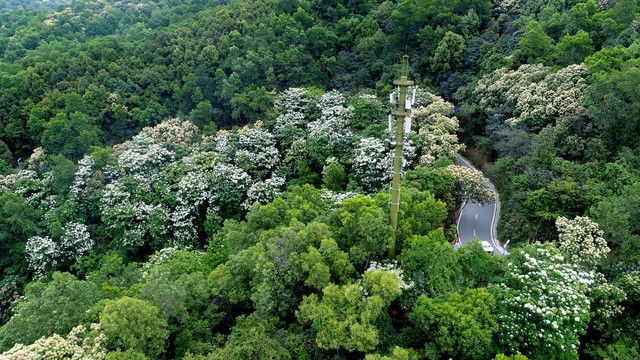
{"type": "Point", "coordinates": [477, 221]}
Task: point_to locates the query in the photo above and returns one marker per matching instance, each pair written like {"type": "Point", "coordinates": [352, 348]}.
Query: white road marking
{"type": "Point", "coordinates": [476, 216]}
{"type": "Point", "coordinates": [474, 232]}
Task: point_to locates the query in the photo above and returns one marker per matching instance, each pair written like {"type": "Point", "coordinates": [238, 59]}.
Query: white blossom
{"type": "Point", "coordinates": [471, 184]}
{"type": "Point", "coordinates": [546, 304]}
{"type": "Point", "coordinates": [173, 131]}
{"type": "Point", "coordinates": [81, 343]}
{"type": "Point", "coordinates": [264, 191]}
{"type": "Point", "coordinates": [75, 241]}
{"type": "Point", "coordinates": [394, 267]}
{"type": "Point", "coordinates": [581, 240]}
{"type": "Point", "coordinates": [42, 254]}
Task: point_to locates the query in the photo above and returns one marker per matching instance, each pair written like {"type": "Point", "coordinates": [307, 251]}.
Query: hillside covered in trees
{"type": "Point", "coordinates": [209, 180]}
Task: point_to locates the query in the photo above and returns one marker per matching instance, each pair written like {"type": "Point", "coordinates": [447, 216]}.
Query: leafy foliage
{"type": "Point", "coordinates": [176, 150]}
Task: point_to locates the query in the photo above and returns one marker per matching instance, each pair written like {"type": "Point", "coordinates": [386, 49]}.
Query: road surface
{"type": "Point", "coordinates": [477, 221]}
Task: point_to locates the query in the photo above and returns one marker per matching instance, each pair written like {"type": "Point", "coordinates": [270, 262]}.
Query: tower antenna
{"type": "Point", "coordinates": [403, 126]}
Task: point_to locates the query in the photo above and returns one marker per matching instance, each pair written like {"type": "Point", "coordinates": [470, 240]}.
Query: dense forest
{"type": "Point", "coordinates": [205, 179]}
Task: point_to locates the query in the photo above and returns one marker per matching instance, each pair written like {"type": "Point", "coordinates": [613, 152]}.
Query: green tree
{"type": "Point", "coordinates": [449, 53]}
{"type": "Point", "coordinates": [438, 182]}
{"type": "Point", "coordinates": [251, 105]}
{"type": "Point", "coordinates": [397, 353]}
{"type": "Point", "coordinates": [202, 115]}
{"type": "Point", "coordinates": [63, 171]}
{"type": "Point", "coordinates": [535, 46]}
{"type": "Point", "coordinates": [345, 316]}
{"type": "Point", "coordinates": [49, 308]}
{"type": "Point", "coordinates": [562, 198]}
{"type": "Point", "coordinates": [420, 213]}
{"type": "Point", "coordinates": [334, 177]}
{"type": "Point", "coordinates": [255, 339]}
{"type": "Point", "coordinates": [612, 106]}
{"type": "Point", "coordinates": [367, 111]}
{"type": "Point", "coordinates": [431, 263]}
{"type": "Point", "coordinates": [574, 49]}
{"type": "Point", "coordinates": [363, 229]}
{"type": "Point", "coordinates": [618, 218]}
{"type": "Point", "coordinates": [70, 135]}
{"type": "Point", "coordinates": [460, 326]}
{"type": "Point", "coordinates": [325, 264]}
{"type": "Point", "coordinates": [477, 265]}
{"type": "Point", "coordinates": [18, 222]}
{"type": "Point", "coordinates": [132, 324]}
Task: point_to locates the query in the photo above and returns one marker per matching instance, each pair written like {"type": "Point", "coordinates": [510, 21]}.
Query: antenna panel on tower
{"type": "Point", "coordinates": [407, 125]}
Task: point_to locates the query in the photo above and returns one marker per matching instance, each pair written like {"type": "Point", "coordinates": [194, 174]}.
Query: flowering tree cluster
{"type": "Point", "coordinates": [372, 164]}
{"type": "Point", "coordinates": [532, 95]}
{"type": "Point", "coordinates": [545, 307]}
{"type": "Point", "coordinates": [607, 303]}
{"type": "Point", "coordinates": [81, 343]}
{"type": "Point", "coordinates": [471, 184]}
{"type": "Point", "coordinates": [437, 130]}
{"type": "Point", "coordinates": [256, 152]}
{"type": "Point", "coordinates": [291, 105]}
{"type": "Point", "coordinates": [174, 132]}
{"type": "Point", "coordinates": [165, 188]}
{"type": "Point", "coordinates": [581, 241]}
{"type": "Point", "coordinates": [264, 191]}
{"type": "Point", "coordinates": [144, 156]}
{"type": "Point", "coordinates": [44, 253]}
{"type": "Point", "coordinates": [83, 173]}
{"type": "Point", "coordinates": [330, 135]}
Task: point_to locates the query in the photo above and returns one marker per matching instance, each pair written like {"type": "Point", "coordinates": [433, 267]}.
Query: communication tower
{"type": "Point", "coordinates": [403, 126]}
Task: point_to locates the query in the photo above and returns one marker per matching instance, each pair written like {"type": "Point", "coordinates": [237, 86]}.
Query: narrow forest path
{"type": "Point", "coordinates": [478, 221]}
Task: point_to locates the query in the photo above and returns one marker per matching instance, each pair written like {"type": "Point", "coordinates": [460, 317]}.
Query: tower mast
{"type": "Point", "coordinates": [401, 115]}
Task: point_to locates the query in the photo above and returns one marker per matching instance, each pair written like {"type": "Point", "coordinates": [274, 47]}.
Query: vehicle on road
{"type": "Point", "coordinates": [487, 247]}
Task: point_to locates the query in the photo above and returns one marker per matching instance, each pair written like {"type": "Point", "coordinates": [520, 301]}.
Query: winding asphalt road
{"type": "Point", "coordinates": [477, 221]}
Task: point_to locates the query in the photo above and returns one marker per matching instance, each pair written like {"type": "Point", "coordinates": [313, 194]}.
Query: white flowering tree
{"type": "Point", "coordinates": [209, 191]}
{"type": "Point", "coordinates": [290, 104]}
{"type": "Point", "coordinates": [174, 132]}
{"type": "Point", "coordinates": [436, 130]}
{"type": "Point", "coordinates": [544, 306]}
{"type": "Point", "coordinates": [257, 153]}
{"type": "Point", "coordinates": [42, 254]}
{"type": "Point", "coordinates": [532, 96]}
{"type": "Point", "coordinates": [373, 162]}
{"type": "Point", "coordinates": [291, 100]}
{"type": "Point", "coordinates": [263, 192]}
{"type": "Point", "coordinates": [607, 303]}
{"type": "Point", "coordinates": [144, 156]}
{"type": "Point", "coordinates": [471, 184]}
{"type": "Point", "coordinates": [581, 241]}
{"type": "Point", "coordinates": [330, 135]}
{"type": "Point", "coordinates": [371, 166]}
{"type": "Point", "coordinates": [130, 217]}
{"type": "Point", "coordinates": [78, 188]}
{"type": "Point", "coordinates": [82, 342]}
